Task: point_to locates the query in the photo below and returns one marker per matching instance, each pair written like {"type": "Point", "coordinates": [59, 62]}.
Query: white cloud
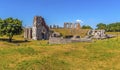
{"type": "Point", "coordinates": [79, 21]}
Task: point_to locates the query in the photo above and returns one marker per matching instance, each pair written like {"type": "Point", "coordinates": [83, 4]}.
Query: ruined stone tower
{"type": "Point", "coordinates": [39, 30]}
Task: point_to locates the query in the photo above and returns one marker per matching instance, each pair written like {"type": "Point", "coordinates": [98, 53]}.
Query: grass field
{"type": "Point", "coordinates": [64, 32]}
{"type": "Point", "coordinates": [39, 55]}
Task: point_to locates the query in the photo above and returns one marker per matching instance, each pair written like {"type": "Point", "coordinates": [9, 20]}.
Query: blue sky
{"type": "Point", "coordinates": [91, 12]}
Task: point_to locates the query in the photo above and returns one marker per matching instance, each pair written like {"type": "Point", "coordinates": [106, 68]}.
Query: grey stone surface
{"type": "Point", "coordinates": [28, 33]}
{"type": "Point", "coordinates": [55, 40]}
{"type": "Point", "coordinates": [39, 30]}
{"type": "Point", "coordinates": [99, 34]}
{"type": "Point", "coordinates": [72, 25]}
{"type": "Point", "coordinates": [55, 34]}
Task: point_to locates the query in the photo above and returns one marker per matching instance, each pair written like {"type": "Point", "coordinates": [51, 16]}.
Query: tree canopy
{"type": "Point", "coordinates": [86, 27]}
{"type": "Point", "coordinates": [101, 26]}
{"type": "Point", "coordinates": [112, 27]}
{"type": "Point", "coordinates": [10, 27]}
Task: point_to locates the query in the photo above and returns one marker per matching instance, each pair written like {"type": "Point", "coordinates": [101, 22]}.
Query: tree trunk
{"type": "Point", "coordinates": [10, 38]}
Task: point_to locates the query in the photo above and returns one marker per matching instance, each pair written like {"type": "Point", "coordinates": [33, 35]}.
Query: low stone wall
{"type": "Point", "coordinates": [82, 40]}
{"type": "Point", "coordinates": [55, 40]}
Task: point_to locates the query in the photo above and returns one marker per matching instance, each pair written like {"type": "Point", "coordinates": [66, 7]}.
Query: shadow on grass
{"type": "Point", "coordinates": [13, 40]}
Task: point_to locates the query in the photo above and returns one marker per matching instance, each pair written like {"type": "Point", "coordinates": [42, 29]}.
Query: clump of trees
{"type": "Point", "coordinates": [10, 27]}
{"type": "Point", "coordinates": [113, 27]}
{"type": "Point", "coordinates": [86, 27]}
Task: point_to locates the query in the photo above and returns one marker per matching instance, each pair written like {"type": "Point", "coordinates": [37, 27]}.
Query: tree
{"type": "Point", "coordinates": [101, 26]}
{"type": "Point", "coordinates": [86, 27]}
{"type": "Point", "coordinates": [113, 27]}
{"type": "Point", "coordinates": [1, 27]}
{"type": "Point", "coordinates": [11, 27]}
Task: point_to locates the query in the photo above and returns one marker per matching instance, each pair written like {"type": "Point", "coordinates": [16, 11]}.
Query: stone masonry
{"type": "Point", "coordinates": [72, 25]}
{"type": "Point", "coordinates": [39, 30]}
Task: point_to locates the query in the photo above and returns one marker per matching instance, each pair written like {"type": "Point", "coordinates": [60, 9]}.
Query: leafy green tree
{"type": "Point", "coordinates": [113, 27]}
{"type": "Point", "coordinates": [101, 26]}
{"type": "Point", "coordinates": [86, 27]}
{"type": "Point", "coordinates": [1, 27]}
{"type": "Point", "coordinates": [11, 27]}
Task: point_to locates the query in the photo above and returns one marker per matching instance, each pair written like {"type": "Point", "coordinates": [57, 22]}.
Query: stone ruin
{"type": "Point", "coordinates": [72, 25]}
{"type": "Point", "coordinates": [98, 34]}
{"type": "Point", "coordinates": [61, 40]}
{"type": "Point", "coordinates": [92, 34]}
{"type": "Point", "coordinates": [54, 27]}
{"type": "Point", "coordinates": [57, 38]}
{"type": "Point", "coordinates": [39, 30]}
{"type": "Point", "coordinates": [27, 33]}
{"type": "Point", "coordinates": [55, 34]}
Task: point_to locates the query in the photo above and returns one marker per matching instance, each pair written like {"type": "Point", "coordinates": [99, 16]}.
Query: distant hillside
{"type": "Point", "coordinates": [64, 32]}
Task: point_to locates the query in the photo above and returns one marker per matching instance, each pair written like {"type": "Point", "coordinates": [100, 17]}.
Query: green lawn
{"type": "Point", "coordinates": [38, 55]}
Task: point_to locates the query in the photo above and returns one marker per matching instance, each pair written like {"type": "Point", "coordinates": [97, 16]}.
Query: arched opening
{"type": "Point", "coordinates": [43, 35]}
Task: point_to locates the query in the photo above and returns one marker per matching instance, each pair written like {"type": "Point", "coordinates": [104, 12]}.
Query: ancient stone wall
{"type": "Point", "coordinates": [98, 34]}
{"type": "Point", "coordinates": [55, 40]}
{"type": "Point", "coordinates": [59, 40]}
{"type": "Point", "coordinates": [40, 29]}
{"type": "Point", "coordinates": [28, 33]}
{"type": "Point", "coordinates": [72, 25]}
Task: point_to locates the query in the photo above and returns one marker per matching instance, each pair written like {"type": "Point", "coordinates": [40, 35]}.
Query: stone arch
{"type": "Point", "coordinates": [75, 25]}
{"type": "Point", "coordinates": [43, 35]}
{"type": "Point", "coordinates": [78, 26]}
{"type": "Point", "coordinates": [70, 25]}
{"type": "Point", "coordinates": [67, 25]}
